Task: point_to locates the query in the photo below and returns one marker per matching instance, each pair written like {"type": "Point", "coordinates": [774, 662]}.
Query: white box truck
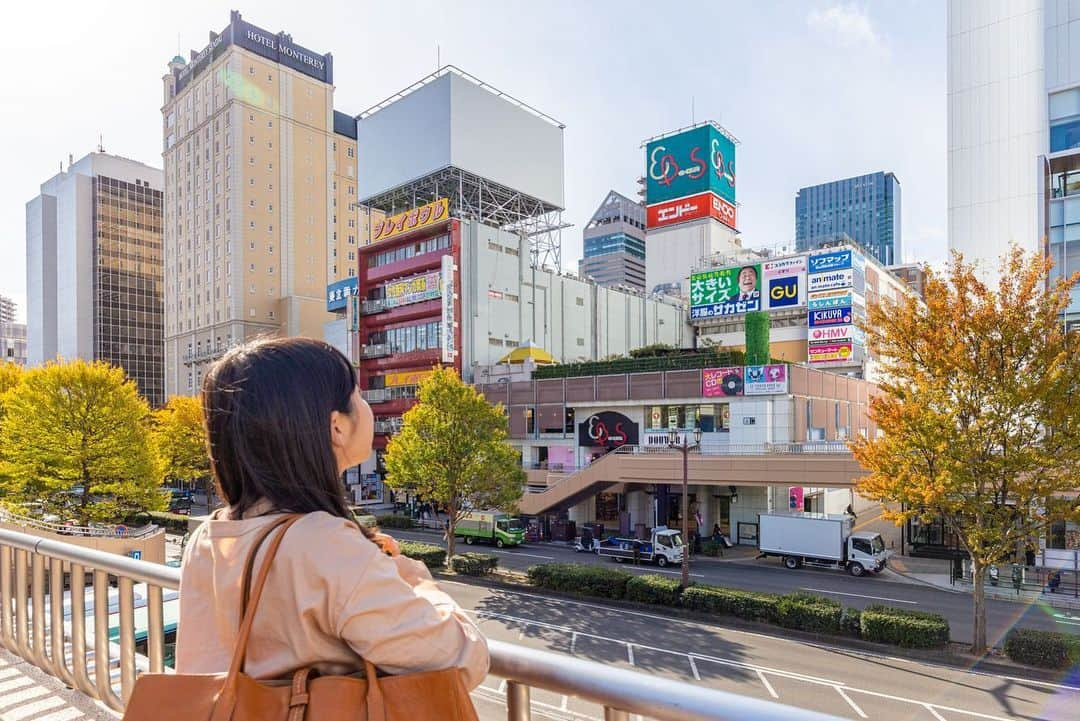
{"type": "Point", "coordinates": [816, 539]}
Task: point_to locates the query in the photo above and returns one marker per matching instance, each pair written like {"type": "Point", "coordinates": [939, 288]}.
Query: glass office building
{"type": "Point", "coordinates": [866, 208]}
{"type": "Point", "coordinates": [613, 245]}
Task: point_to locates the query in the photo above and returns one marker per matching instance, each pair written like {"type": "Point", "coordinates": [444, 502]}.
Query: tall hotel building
{"type": "Point", "coordinates": [260, 196]}
{"type": "Point", "coordinates": [93, 268]}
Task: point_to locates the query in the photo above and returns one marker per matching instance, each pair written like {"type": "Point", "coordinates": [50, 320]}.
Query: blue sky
{"type": "Point", "coordinates": [814, 90]}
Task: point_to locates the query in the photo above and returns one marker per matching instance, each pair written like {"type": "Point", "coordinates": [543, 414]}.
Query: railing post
{"type": "Point", "coordinates": [518, 703]}
{"type": "Point", "coordinates": [614, 714]}
{"type": "Point", "coordinates": [127, 637]}
{"type": "Point", "coordinates": [102, 663]}
{"type": "Point", "coordinates": [7, 639]}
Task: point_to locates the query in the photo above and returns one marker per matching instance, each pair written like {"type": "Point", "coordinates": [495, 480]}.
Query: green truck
{"type": "Point", "coordinates": [502, 529]}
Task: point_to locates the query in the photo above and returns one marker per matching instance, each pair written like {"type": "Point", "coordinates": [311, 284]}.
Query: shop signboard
{"type": "Point", "coordinates": [796, 498]}
{"type": "Point", "coordinates": [692, 207]}
{"type": "Point", "coordinates": [829, 351]}
{"type": "Point", "coordinates": [784, 267]}
{"type": "Point", "coordinates": [784, 291]}
{"type": "Point", "coordinates": [824, 299]}
{"type": "Point", "coordinates": [828, 281]}
{"type": "Point", "coordinates": [412, 290]}
{"type": "Point", "coordinates": [720, 382]}
{"type": "Point", "coordinates": [338, 293]}
{"type": "Point", "coordinates": [694, 161]}
{"type": "Point", "coordinates": [406, 378]}
{"type": "Point", "coordinates": [449, 335]}
{"type": "Point", "coordinates": [607, 429]}
{"type": "Point", "coordinates": [728, 291]}
{"type": "Point", "coordinates": [828, 262]}
{"type": "Point", "coordinates": [829, 317]}
{"type": "Point", "coordinates": [836, 332]}
{"type": "Point", "coordinates": [765, 380]}
{"type": "Point", "coordinates": [415, 219]}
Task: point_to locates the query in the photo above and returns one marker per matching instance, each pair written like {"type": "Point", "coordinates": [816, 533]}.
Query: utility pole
{"type": "Point", "coordinates": [681, 443]}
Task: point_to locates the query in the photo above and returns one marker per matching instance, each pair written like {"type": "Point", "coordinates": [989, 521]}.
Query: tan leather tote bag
{"type": "Point", "coordinates": [235, 696]}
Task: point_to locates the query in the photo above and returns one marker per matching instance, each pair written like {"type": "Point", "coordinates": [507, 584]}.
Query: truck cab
{"type": "Point", "coordinates": [865, 552]}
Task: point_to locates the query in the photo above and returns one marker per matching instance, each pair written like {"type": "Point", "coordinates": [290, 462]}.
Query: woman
{"type": "Point", "coordinates": [284, 419]}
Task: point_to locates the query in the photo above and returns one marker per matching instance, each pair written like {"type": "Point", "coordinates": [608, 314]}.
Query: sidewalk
{"type": "Point", "coordinates": [27, 692]}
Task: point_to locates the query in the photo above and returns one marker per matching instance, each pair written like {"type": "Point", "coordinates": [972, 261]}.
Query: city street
{"type": "Point", "coordinates": [768, 575]}
{"type": "Point", "coordinates": [846, 683]}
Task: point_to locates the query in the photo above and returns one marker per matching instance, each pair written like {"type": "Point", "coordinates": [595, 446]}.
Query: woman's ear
{"type": "Point", "coordinates": [338, 432]}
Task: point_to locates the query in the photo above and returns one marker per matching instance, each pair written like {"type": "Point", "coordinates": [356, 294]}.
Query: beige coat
{"type": "Point", "coordinates": [332, 597]}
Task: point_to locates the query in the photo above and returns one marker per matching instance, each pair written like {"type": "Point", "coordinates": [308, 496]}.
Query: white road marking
{"type": "Point", "coordinates": [768, 686]}
{"type": "Point", "coordinates": [630, 653]}
{"type": "Point", "coordinates": [573, 642]}
{"type": "Point", "coordinates": [519, 553]}
{"type": "Point", "coordinates": [851, 703]}
{"type": "Point", "coordinates": [660, 570]}
{"type": "Point", "coordinates": [859, 595]}
{"type": "Point", "coordinates": [693, 667]}
{"type": "Point", "coordinates": [931, 709]}
{"type": "Point", "coordinates": [950, 709]}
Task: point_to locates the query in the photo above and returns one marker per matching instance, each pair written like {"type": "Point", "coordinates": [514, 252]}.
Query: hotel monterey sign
{"type": "Point", "coordinates": [276, 47]}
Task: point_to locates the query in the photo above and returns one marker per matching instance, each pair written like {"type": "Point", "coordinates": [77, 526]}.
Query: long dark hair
{"type": "Point", "coordinates": [267, 407]}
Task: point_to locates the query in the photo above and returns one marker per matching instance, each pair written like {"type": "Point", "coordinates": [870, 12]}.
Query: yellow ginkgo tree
{"type": "Point", "coordinates": [978, 416]}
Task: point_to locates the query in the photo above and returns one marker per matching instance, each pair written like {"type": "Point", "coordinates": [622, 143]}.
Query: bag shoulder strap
{"type": "Point", "coordinates": [251, 595]}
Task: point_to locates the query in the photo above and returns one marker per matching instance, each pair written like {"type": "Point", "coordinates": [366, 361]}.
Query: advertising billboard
{"type": "Point", "coordinates": [783, 291]}
{"type": "Point", "coordinates": [413, 290]}
{"type": "Point", "coordinates": [448, 342]}
{"type": "Point", "coordinates": [406, 378]}
{"type": "Point", "coordinates": [728, 291]}
{"type": "Point", "coordinates": [830, 317]}
{"type": "Point", "coordinates": [831, 280]}
{"type": "Point", "coordinates": [829, 351]}
{"type": "Point", "coordinates": [338, 293]}
{"type": "Point", "coordinates": [765, 380]}
{"type": "Point", "coordinates": [693, 207]}
{"type": "Point", "coordinates": [694, 161]}
{"type": "Point", "coordinates": [720, 382]}
{"type": "Point", "coordinates": [826, 262]}
{"type": "Point", "coordinates": [410, 220]}
{"type": "Point", "coordinates": [785, 267]}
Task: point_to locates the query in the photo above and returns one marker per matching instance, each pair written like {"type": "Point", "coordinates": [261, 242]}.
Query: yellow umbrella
{"type": "Point", "coordinates": [528, 350]}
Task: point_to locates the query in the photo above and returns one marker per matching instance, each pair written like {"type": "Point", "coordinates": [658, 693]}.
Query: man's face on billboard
{"type": "Point", "coordinates": [747, 280]}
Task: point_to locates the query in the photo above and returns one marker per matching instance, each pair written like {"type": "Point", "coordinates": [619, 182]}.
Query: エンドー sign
{"type": "Point", "coordinates": [694, 161]}
{"type": "Point", "coordinates": [728, 291]}
{"type": "Point", "coordinates": [693, 207]}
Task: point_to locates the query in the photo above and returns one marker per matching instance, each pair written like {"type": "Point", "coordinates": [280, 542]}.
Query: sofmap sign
{"type": "Point", "coordinates": [765, 380]}
{"type": "Point", "coordinates": [837, 260]}
{"type": "Point", "coordinates": [411, 220]}
{"type": "Point", "coordinates": [413, 290]}
{"type": "Point", "coordinates": [688, 163]}
{"type": "Point", "coordinates": [607, 430]}
{"type": "Point", "coordinates": [830, 317]}
{"type": "Point", "coordinates": [277, 47]}
{"type": "Point", "coordinates": [729, 291]}
{"type": "Point", "coordinates": [829, 281]}
{"type": "Point", "coordinates": [694, 207]}
{"type": "Point", "coordinates": [338, 294]}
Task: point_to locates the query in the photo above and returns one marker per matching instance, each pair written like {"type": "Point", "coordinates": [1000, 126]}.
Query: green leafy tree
{"type": "Point", "coordinates": [178, 432]}
{"type": "Point", "coordinates": [452, 450]}
{"type": "Point", "coordinates": [978, 411]}
{"type": "Point", "coordinates": [77, 440]}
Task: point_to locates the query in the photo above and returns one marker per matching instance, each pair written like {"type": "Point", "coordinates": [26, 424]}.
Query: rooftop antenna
{"type": "Point", "coordinates": [100, 143]}
{"type": "Point", "coordinates": [438, 60]}
{"type": "Point", "coordinates": [693, 116]}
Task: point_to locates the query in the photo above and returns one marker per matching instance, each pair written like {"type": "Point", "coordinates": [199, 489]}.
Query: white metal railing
{"type": "Point", "coordinates": [69, 529]}
{"type": "Point", "coordinates": [375, 350]}
{"type": "Point", "coordinates": [368, 307]}
{"type": "Point", "coordinates": [32, 626]}
{"type": "Point", "coordinates": [390, 425]}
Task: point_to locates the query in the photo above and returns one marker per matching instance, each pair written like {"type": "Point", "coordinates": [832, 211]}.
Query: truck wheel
{"type": "Point", "coordinates": [856, 569]}
{"type": "Point", "coordinates": [661, 561]}
{"type": "Point", "coordinates": [791, 562]}
{"type": "Point", "coordinates": [469, 540]}
{"type": "Point", "coordinates": [499, 543]}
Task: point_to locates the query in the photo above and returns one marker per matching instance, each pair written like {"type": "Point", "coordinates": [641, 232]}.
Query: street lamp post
{"type": "Point", "coordinates": [681, 443]}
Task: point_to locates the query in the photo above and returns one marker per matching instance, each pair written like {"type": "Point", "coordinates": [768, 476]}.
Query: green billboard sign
{"type": "Point", "coordinates": [697, 160]}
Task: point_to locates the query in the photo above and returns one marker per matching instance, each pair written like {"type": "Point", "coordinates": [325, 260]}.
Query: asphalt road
{"type": "Point", "coordinates": [768, 575]}
{"type": "Point", "coordinates": [849, 684]}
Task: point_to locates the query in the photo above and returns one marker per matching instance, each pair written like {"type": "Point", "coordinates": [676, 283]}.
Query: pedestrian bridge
{"type": "Point", "coordinates": [45, 619]}
{"type": "Point", "coordinates": [825, 464]}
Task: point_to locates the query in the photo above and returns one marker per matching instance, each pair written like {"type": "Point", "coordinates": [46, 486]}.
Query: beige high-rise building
{"type": "Point", "coordinates": [260, 196]}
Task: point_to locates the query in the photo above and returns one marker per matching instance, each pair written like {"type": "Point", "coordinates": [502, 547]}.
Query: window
{"type": "Point", "coordinates": [351, 152]}
{"type": "Point", "coordinates": [251, 71]}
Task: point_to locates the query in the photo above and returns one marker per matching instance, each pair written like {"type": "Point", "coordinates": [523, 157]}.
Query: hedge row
{"type": "Point", "coordinates": [900, 627]}
{"type": "Point", "coordinates": [801, 611]}
{"type": "Point", "coordinates": [395, 521]}
{"type": "Point", "coordinates": [171, 522]}
{"type": "Point", "coordinates": [1048, 649]}
{"type": "Point", "coordinates": [474, 564]}
{"type": "Point", "coordinates": [431, 556]}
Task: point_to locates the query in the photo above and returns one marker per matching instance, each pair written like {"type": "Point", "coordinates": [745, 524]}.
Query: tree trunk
{"type": "Point", "coordinates": [978, 634]}
{"type": "Point", "coordinates": [450, 525]}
